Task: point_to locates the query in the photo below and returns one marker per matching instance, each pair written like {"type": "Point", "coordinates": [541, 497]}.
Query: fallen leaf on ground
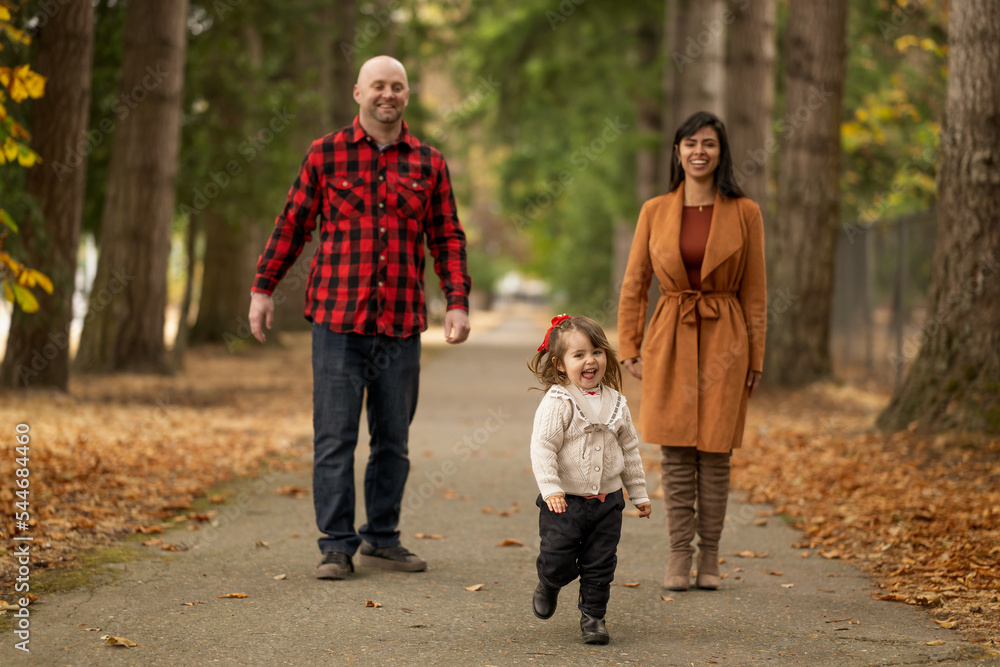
{"type": "Point", "coordinates": [428, 536]}
{"type": "Point", "coordinates": [776, 573]}
{"type": "Point", "coordinates": [936, 642]}
{"type": "Point", "coordinates": [505, 513]}
{"type": "Point", "coordinates": [148, 529]}
{"type": "Point", "coordinates": [510, 542]}
{"type": "Point", "coordinates": [477, 587]}
{"type": "Point", "coordinates": [292, 491]}
{"type": "Point", "coordinates": [372, 603]}
{"type": "Point", "coordinates": [217, 499]}
{"type": "Point", "coordinates": [929, 599]}
{"type": "Point", "coordinates": [949, 624]}
{"type": "Point", "coordinates": [487, 510]}
{"type": "Point", "coordinates": [170, 547]}
{"type": "Point", "coordinates": [232, 595]}
{"type": "Point", "coordinates": [788, 585]}
{"type": "Point", "coordinates": [805, 554]}
{"type": "Point", "coordinates": [153, 542]}
{"type": "Point", "coordinates": [752, 554]}
{"type": "Point", "coordinates": [91, 629]}
{"type": "Point", "coordinates": [118, 641]}
{"type": "Point", "coordinates": [262, 544]}
{"type": "Point", "coordinates": [666, 599]}
{"type": "Point", "coordinates": [279, 577]}
{"type": "Point", "coordinates": [833, 553]}
{"type": "Point", "coordinates": [760, 522]}
{"type": "Point", "coordinates": [191, 604]}
{"type": "Point", "coordinates": [629, 585]}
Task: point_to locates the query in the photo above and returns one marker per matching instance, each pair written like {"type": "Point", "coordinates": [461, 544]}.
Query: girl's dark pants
{"type": "Point", "coordinates": [582, 541]}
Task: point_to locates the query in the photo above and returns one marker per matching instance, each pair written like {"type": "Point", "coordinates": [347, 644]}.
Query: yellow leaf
{"type": "Point", "coordinates": [25, 299]}
{"type": "Point", "coordinates": [23, 83]}
{"type": "Point", "coordinates": [10, 149]}
{"type": "Point", "coordinates": [476, 587]}
{"type": "Point", "coordinates": [31, 277]}
{"type": "Point", "coordinates": [8, 294]}
{"type": "Point", "coordinates": [7, 220]}
{"type": "Point", "coordinates": [372, 603]}
{"type": "Point", "coordinates": [936, 642]}
{"type": "Point", "coordinates": [118, 641]}
{"type": "Point", "coordinates": [4, 13]}
{"type": "Point", "coordinates": [232, 595]}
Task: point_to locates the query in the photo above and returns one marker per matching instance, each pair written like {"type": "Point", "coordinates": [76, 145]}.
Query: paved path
{"type": "Point", "coordinates": [469, 452]}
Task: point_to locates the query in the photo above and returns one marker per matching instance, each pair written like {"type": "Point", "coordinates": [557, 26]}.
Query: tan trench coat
{"type": "Point", "coordinates": [694, 385]}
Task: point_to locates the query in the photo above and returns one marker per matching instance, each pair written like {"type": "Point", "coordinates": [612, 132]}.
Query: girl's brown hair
{"type": "Point", "coordinates": [543, 363]}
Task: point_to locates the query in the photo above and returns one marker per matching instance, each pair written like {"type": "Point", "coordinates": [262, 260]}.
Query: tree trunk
{"type": "Point", "coordinates": [800, 244]}
{"type": "Point", "coordinates": [319, 53]}
{"type": "Point", "coordinates": [954, 382]}
{"type": "Point", "coordinates": [124, 327]}
{"type": "Point", "coordinates": [696, 40]}
{"type": "Point", "coordinates": [38, 346]}
{"type": "Point", "coordinates": [225, 294]}
{"type": "Point", "coordinates": [750, 96]}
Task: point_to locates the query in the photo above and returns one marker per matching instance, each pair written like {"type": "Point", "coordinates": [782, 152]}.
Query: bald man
{"type": "Point", "coordinates": [374, 191]}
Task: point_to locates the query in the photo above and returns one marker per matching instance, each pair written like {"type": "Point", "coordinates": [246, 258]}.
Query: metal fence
{"type": "Point", "coordinates": [880, 293]}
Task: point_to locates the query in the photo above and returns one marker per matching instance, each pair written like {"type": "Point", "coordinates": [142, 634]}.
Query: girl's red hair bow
{"type": "Point", "coordinates": [556, 321]}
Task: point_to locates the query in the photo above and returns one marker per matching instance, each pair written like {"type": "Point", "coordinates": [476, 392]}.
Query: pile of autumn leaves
{"type": "Point", "coordinates": [118, 456]}
{"type": "Point", "coordinates": [921, 514]}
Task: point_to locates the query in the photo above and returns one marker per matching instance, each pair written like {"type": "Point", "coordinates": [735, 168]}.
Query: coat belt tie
{"type": "Point", "coordinates": [706, 304]}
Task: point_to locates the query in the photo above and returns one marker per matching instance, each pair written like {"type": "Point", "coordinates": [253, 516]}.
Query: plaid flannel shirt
{"type": "Point", "coordinates": [374, 208]}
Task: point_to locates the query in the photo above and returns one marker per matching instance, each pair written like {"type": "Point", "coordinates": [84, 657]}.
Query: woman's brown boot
{"type": "Point", "coordinates": [713, 496]}
{"type": "Point", "coordinates": [679, 486]}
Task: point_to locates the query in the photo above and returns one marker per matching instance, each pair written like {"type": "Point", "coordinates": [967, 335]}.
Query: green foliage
{"type": "Point", "coordinates": [893, 104]}
{"type": "Point", "coordinates": [562, 126]}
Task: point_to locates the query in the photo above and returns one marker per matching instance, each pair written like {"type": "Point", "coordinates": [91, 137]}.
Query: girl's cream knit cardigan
{"type": "Point", "coordinates": [578, 452]}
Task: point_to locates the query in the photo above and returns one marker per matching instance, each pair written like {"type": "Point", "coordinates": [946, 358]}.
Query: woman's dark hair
{"type": "Point", "coordinates": [725, 179]}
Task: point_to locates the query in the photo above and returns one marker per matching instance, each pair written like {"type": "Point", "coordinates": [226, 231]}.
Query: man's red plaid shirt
{"type": "Point", "coordinates": [374, 209]}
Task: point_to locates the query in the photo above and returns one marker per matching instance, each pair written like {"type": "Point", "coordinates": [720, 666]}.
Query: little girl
{"type": "Point", "coordinates": [583, 449]}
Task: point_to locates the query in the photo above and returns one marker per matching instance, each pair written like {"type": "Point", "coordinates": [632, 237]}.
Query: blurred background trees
{"type": "Point", "coordinates": [557, 120]}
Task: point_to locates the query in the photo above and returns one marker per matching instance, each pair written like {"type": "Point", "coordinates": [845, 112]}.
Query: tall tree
{"type": "Point", "coordinates": [124, 327]}
{"type": "Point", "coordinates": [38, 346]}
{"type": "Point", "coordinates": [695, 74]}
{"type": "Point", "coordinates": [800, 243]}
{"type": "Point", "coordinates": [955, 380]}
{"type": "Point", "coordinates": [750, 96]}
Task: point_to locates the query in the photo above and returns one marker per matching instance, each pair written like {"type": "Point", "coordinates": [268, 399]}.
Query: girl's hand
{"type": "Point", "coordinates": [556, 503]}
{"type": "Point", "coordinates": [753, 379]}
{"type": "Point", "coordinates": [645, 509]}
{"type": "Point", "coordinates": [633, 366]}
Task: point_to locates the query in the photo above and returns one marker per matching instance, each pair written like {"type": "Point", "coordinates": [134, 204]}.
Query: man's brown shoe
{"type": "Point", "coordinates": [392, 558]}
{"type": "Point", "coordinates": [335, 565]}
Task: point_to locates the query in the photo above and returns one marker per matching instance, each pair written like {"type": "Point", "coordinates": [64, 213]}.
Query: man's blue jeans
{"type": "Point", "coordinates": [345, 367]}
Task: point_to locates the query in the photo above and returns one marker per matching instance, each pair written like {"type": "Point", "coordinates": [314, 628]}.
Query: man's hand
{"type": "Point", "coordinates": [456, 326]}
{"type": "Point", "coordinates": [261, 314]}
{"type": "Point", "coordinates": [634, 366]}
{"type": "Point", "coordinates": [556, 503]}
{"type": "Point", "coordinates": [645, 509]}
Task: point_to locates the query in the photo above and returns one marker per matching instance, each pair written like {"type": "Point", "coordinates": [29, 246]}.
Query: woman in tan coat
{"type": "Point", "coordinates": [702, 354]}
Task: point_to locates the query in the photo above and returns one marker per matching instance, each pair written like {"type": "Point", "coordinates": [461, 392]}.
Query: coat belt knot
{"type": "Point", "coordinates": [705, 302]}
